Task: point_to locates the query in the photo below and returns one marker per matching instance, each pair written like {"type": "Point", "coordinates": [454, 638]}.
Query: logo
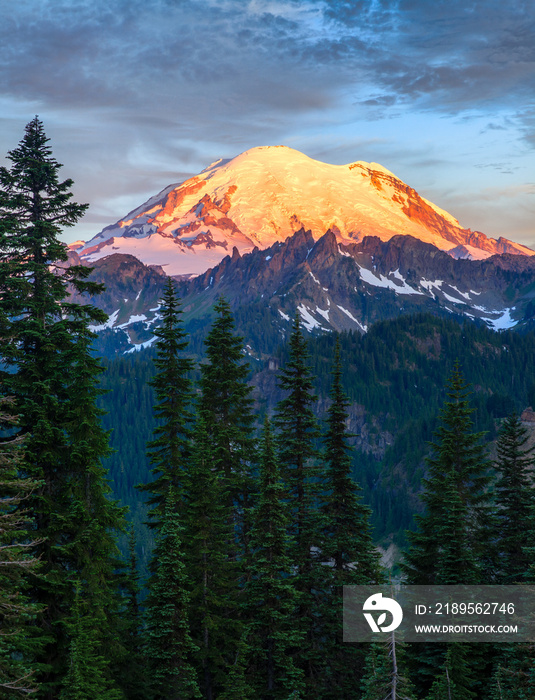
{"type": "Point", "coordinates": [376, 602]}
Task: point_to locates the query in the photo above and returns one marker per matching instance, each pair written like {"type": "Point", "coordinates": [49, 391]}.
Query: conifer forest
{"type": "Point", "coordinates": [169, 530]}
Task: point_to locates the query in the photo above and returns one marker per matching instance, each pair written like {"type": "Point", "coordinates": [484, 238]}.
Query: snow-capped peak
{"type": "Point", "coordinates": [266, 194]}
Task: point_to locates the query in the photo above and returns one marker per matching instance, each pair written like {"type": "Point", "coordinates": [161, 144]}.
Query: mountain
{"type": "Point", "coordinates": [265, 195]}
{"type": "Point", "coordinates": [333, 286]}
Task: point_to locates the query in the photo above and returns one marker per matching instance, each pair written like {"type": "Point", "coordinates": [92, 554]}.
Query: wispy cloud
{"type": "Point", "coordinates": [136, 91]}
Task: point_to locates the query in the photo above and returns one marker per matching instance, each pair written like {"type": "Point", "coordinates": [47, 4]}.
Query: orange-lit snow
{"type": "Point", "coordinates": [266, 194]}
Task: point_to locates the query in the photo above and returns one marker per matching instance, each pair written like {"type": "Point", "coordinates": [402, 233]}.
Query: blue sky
{"type": "Point", "coordinates": [137, 94]}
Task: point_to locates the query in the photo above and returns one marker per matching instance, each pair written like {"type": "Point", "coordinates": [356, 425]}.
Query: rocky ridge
{"type": "Point", "coordinates": [333, 286]}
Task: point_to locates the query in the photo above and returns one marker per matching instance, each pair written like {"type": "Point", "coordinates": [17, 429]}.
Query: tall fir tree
{"type": "Point", "coordinates": [456, 498]}
{"type": "Point", "coordinates": [513, 677]}
{"type": "Point", "coordinates": [169, 450]}
{"type": "Point", "coordinates": [226, 408]}
{"type": "Point", "coordinates": [346, 544]}
{"type": "Point", "coordinates": [132, 674]}
{"type": "Point", "coordinates": [86, 677]}
{"type": "Point", "coordinates": [515, 500]}
{"type": "Point", "coordinates": [53, 379]}
{"type": "Point", "coordinates": [90, 517]}
{"type": "Point", "coordinates": [270, 598]}
{"type": "Point", "coordinates": [213, 573]}
{"type": "Point", "coordinates": [385, 675]}
{"type": "Point", "coordinates": [169, 644]}
{"type": "Point", "coordinates": [452, 537]}
{"type": "Point", "coordinates": [17, 612]}
{"type": "Point", "coordinates": [454, 679]}
{"type": "Point", "coordinates": [298, 455]}
{"type": "Point", "coordinates": [514, 664]}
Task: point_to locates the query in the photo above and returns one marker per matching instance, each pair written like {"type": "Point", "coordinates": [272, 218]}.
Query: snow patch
{"type": "Point", "coordinates": [133, 319]}
{"type": "Point", "coordinates": [382, 281]}
{"type": "Point", "coordinates": [348, 313]}
{"type": "Point", "coordinates": [109, 323]}
{"type": "Point", "coordinates": [323, 313]}
{"type": "Point", "coordinates": [307, 320]}
{"type": "Point", "coordinates": [428, 284]}
{"type": "Point", "coordinates": [466, 295]}
{"type": "Point", "coordinates": [284, 316]}
{"type": "Point", "coordinates": [139, 346]}
{"type": "Point", "coordinates": [503, 322]}
{"type": "Point", "coordinates": [453, 299]}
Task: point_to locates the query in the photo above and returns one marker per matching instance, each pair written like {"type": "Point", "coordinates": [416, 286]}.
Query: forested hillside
{"type": "Point", "coordinates": [394, 377]}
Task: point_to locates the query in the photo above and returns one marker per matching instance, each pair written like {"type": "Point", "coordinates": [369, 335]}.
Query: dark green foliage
{"type": "Point", "coordinates": [298, 455]}
{"type": "Point", "coordinates": [211, 571]}
{"type": "Point", "coordinates": [89, 517]}
{"type": "Point", "coordinates": [514, 674]}
{"type": "Point", "coordinates": [515, 499]}
{"type": "Point", "coordinates": [456, 500]}
{"type": "Point", "coordinates": [86, 677]}
{"type": "Point", "coordinates": [394, 374]}
{"type": "Point", "coordinates": [297, 434]}
{"type": "Point", "coordinates": [169, 645]}
{"type": "Point", "coordinates": [168, 451]}
{"type": "Point", "coordinates": [346, 543]}
{"type": "Point", "coordinates": [235, 684]}
{"type": "Point", "coordinates": [131, 672]}
{"type": "Point", "coordinates": [128, 401]}
{"type": "Point", "coordinates": [347, 540]}
{"type": "Point", "coordinates": [53, 380]}
{"type": "Point", "coordinates": [394, 378]}
{"type": "Point", "coordinates": [385, 676]}
{"type": "Point", "coordinates": [452, 539]}
{"type": "Point", "coordinates": [226, 408]}
{"type": "Point", "coordinates": [455, 679]}
{"type": "Point", "coordinates": [17, 612]}
{"type": "Point", "coordinates": [271, 600]}
{"type": "Point", "coordinates": [87, 674]}
{"type": "Point", "coordinates": [213, 574]}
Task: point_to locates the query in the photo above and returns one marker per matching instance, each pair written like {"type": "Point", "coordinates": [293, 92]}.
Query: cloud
{"type": "Point", "coordinates": [138, 93]}
{"type": "Point", "coordinates": [449, 55]}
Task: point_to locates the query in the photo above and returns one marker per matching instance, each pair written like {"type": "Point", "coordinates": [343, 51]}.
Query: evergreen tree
{"type": "Point", "coordinates": [236, 684]}
{"type": "Point", "coordinates": [86, 677]}
{"type": "Point", "coordinates": [226, 408]}
{"type": "Point", "coordinates": [133, 677]}
{"type": "Point", "coordinates": [17, 612]}
{"type": "Point", "coordinates": [271, 599]}
{"type": "Point", "coordinates": [169, 644]}
{"type": "Point", "coordinates": [455, 679]}
{"type": "Point", "coordinates": [514, 674]}
{"type": "Point", "coordinates": [347, 544]}
{"type": "Point", "coordinates": [89, 517]}
{"type": "Point", "coordinates": [515, 499]}
{"type": "Point", "coordinates": [452, 539]}
{"type": "Point", "coordinates": [169, 450]}
{"type": "Point", "coordinates": [456, 499]}
{"type": "Point", "coordinates": [347, 541]}
{"type": "Point", "coordinates": [384, 673]}
{"type": "Point", "coordinates": [213, 574]}
{"type": "Point", "coordinates": [298, 455]}
{"type": "Point", "coordinates": [52, 377]}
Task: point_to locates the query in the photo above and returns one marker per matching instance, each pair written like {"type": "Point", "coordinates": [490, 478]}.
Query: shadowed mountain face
{"type": "Point", "coordinates": [334, 286]}
{"type": "Point", "coordinates": [267, 194]}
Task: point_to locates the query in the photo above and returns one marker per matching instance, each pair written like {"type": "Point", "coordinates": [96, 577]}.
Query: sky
{"type": "Point", "coordinates": [138, 94]}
